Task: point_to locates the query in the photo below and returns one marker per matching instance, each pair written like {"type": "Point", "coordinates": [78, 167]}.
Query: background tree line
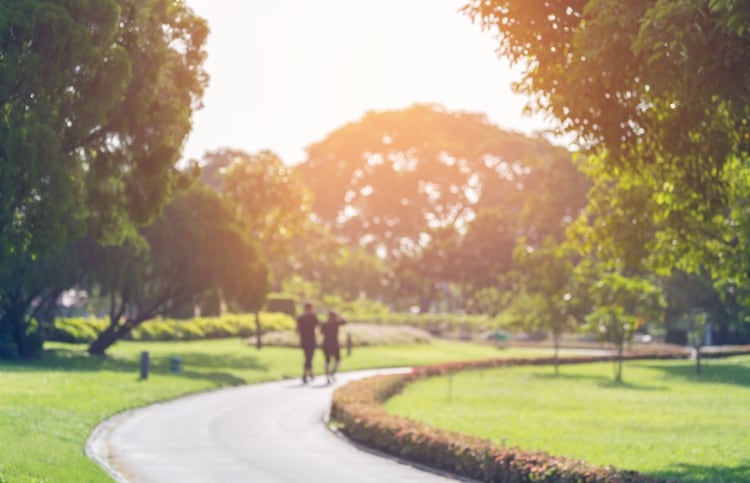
{"type": "Point", "coordinates": [646, 223]}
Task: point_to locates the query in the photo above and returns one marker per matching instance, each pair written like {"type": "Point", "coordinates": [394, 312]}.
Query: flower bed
{"type": "Point", "coordinates": [358, 411]}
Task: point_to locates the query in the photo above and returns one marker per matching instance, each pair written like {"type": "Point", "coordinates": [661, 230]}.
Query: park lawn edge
{"type": "Point", "coordinates": [357, 411]}
{"type": "Point", "coordinates": [51, 404]}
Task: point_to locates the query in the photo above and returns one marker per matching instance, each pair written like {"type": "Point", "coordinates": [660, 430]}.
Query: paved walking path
{"type": "Point", "coordinates": [271, 432]}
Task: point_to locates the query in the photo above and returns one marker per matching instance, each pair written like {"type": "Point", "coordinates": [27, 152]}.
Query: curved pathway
{"type": "Point", "coordinates": [271, 432]}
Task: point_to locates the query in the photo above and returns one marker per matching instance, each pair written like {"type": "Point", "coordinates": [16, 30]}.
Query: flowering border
{"type": "Point", "coordinates": [357, 410]}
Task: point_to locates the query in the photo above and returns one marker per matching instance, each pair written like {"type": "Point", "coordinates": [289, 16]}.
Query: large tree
{"type": "Point", "coordinates": [386, 180]}
{"type": "Point", "coordinates": [195, 247]}
{"type": "Point", "coordinates": [656, 93]}
{"type": "Point", "coordinates": [657, 89]}
{"type": "Point", "coordinates": [425, 275]}
{"type": "Point", "coordinates": [96, 101]}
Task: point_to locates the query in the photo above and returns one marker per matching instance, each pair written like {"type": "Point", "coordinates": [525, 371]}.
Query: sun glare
{"type": "Point", "coordinates": [286, 73]}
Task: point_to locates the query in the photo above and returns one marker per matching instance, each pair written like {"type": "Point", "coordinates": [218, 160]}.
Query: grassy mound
{"type": "Point", "coordinates": [362, 335]}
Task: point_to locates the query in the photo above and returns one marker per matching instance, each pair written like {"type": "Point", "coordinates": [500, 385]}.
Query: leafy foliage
{"type": "Point", "coordinates": [387, 179]}
{"type": "Point", "coordinates": [548, 277]}
{"type": "Point", "coordinates": [649, 75]}
{"type": "Point", "coordinates": [622, 304]}
{"type": "Point", "coordinates": [655, 93]}
{"type": "Point", "coordinates": [194, 247]}
{"type": "Point", "coordinates": [96, 101]}
{"type": "Point", "coordinates": [350, 272]}
{"type": "Point", "coordinates": [271, 200]}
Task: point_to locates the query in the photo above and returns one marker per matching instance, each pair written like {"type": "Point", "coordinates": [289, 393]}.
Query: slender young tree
{"type": "Point", "coordinates": [196, 246]}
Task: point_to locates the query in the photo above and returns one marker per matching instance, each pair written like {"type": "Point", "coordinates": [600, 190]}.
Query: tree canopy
{"type": "Point", "coordinates": [272, 202]}
{"type": "Point", "coordinates": [194, 247]}
{"type": "Point", "coordinates": [96, 102]}
{"type": "Point", "coordinates": [656, 94]}
{"type": "Point", "coordinates": [649, 83]}
{"type": "Point", "coordinates": [385, 181]}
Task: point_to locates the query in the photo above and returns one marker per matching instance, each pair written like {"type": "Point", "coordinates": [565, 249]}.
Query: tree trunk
{"type": "Point", "coordinates": [697, 359]}
{"type": "Point", "coordinates": [258, 343]}
{"type": "Point", "coordinates": [102, 342]}
{"type": "Point", "coordinates": [425, 303]}
{"type": "Point", "coordinates": [10, 319]}
{"type": "Point", "coordinates": [556, 340]}
{"type": "Point", "coordinates": [16, 341]}
{"type": "Point", "coordinates": [618, 364]}
{"type": "Point", "coordinates": [723, 336]}
{"type": "Point", "coordinates": [111, 334]}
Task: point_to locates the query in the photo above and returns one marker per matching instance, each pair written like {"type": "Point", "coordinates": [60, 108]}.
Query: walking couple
{"type": "Point", "coordinates": [306, 325]}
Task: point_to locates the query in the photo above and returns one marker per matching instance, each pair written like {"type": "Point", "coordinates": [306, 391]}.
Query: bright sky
{"type": "Point", "coordinates": [285, 73]}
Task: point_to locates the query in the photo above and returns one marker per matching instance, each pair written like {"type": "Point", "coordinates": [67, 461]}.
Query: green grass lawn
{"type": "Point", "coordinates": [49, 406]}
{"type": "Point", "coordinates": [664, 420]}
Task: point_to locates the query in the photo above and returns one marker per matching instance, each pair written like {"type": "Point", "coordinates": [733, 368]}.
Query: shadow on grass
{"type": "Point", "coordinates": [599, 380]}
{"type": "Point", "coordinates": [714, 371]}
{"type": "Point", "coordinates": [194, 365]}
{"type": "Point", "coordinates": [203, 360]}
{"type": "Point", "coordinates": [218, 378]}
{"type": "Point", "coordinates": [685, 472]}
{"type": "Point", "coordinates": [72, 360]}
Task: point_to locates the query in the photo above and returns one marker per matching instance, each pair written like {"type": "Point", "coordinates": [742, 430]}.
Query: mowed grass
{"type": "Point", "coordinates": [48, 407]}
{"type": "Point", "coordinates": [664, 420]}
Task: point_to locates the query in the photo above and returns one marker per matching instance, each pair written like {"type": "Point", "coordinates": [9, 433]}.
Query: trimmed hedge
{"type": "Point", "coordinates": [76, 329]}
{"type": "Point", "coordinates": [357, 408]}
{"type": "Point", "coordinates": [85, 330]}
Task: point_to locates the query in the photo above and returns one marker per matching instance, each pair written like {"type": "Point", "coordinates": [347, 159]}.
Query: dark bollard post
{"type": "Point", "coordinates": [175, 364]}
{"type": "Point", "coordinates": [348, 344]}
{"type": "Point", "coordinates": [144, 365]}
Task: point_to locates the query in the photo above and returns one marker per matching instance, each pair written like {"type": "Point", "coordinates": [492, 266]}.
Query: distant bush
{"type": "Point", "coordinates": [365, 312]}
{"type": "Point", "coordinates": [77, 329]}
{"type": "Point", "coordinates": [355, 310]}
{"type": "Point", "coordinates": [369, 334]}
{"type": "Point", "coordinates": [164, 329]}
{"type": "Point", "coordinates": [437, 324]}
{"type": "Point", "coordinates": [84, 330]}
{"type": "Point", "coordinates": [361, 335]}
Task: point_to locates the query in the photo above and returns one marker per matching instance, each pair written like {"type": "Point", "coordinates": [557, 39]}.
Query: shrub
{"type": "Point", "coordinates": [85, 330]}
{"type": "Point", "coordinates": [275, 321]}
{"type": "Point", "coordinates": [77, 329]}
{"type": "Point", "coordinates": [190, 329]}
{"type": "Point", "coordinates": [436, 324]}
{"type": "Point", "coordinates": [219, 327]}
{"type": "Point", "coordinates": [369, 334]}
{"type": "Point", "coordinates": [155, 330]}
{"type": "Point", "coordinates": [361, 309]}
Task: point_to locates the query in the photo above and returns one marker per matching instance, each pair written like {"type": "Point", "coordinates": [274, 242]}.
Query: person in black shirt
{"type": "Point", "coordinates": [331, 348]}
{"type": "Point", "coordinates": [306, 325]}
